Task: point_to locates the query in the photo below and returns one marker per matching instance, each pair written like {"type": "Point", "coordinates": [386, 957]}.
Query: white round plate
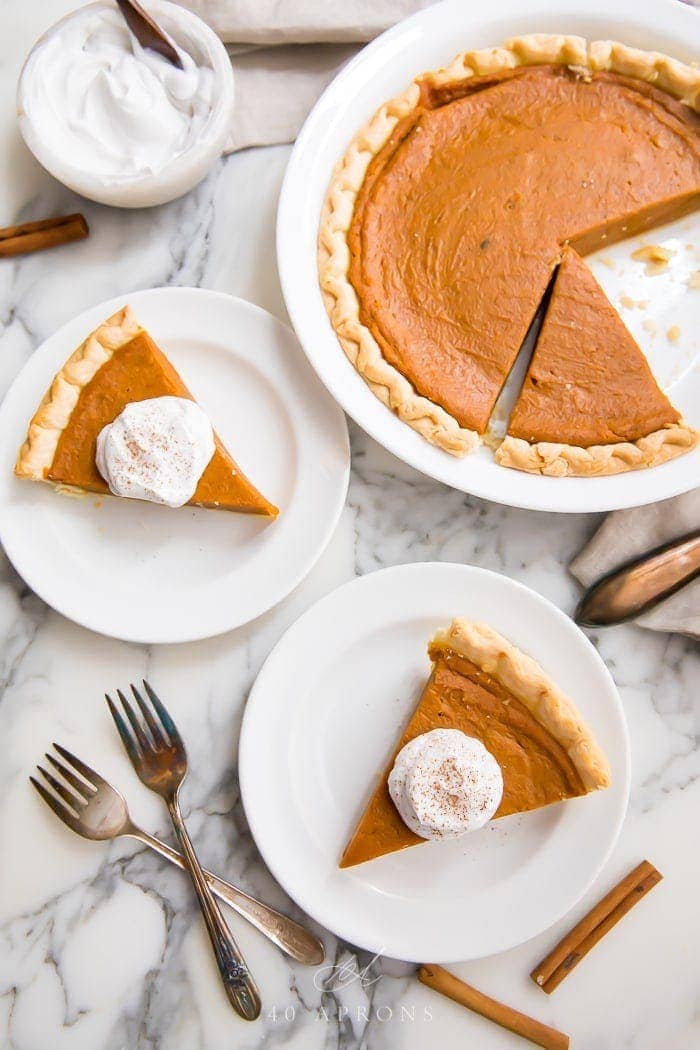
{"type": "Point", "coordinates": [143, 572]}
{"type": "Point", "coordinates": [425, 41]}
{"type": "Point", "coordinates": [321, 722]}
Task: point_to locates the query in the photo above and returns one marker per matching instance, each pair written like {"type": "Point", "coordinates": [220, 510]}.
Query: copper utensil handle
{"type": "Point", "coordinates": [148, 32]}
{"type": "Point", "coordinates": [639, 585]}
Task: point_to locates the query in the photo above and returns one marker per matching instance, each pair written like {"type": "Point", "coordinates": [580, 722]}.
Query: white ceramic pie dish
{"type": "Point", "coordinates": [323, 718]}
{"type": "Point", "coordinates": [385, 67]}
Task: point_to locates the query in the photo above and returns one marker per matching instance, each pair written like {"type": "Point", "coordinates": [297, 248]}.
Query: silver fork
{"type": "Point", "coordinates": [97, 811]}
{"type": "Point", "coordinates": [158, 755]}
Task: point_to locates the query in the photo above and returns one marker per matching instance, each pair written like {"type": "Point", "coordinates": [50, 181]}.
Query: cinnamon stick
{"type": "Point", "coordinates": [46, 233]}
{"type": "Point", "coordinates": [549, 974]}
{"type": "Point", "coordinates": [443, 981]}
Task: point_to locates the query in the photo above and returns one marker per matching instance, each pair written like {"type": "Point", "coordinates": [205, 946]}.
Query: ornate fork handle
{"type": "Point", "coordinates": [240, 986]}
{"type": "Point", "coordinates": [287, 934]}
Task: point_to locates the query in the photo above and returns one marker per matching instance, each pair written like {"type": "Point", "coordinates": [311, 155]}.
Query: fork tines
{"type": "Point", "coordinates": [64, 802]}
{"type": "Point", "coordinates": [159, 731]}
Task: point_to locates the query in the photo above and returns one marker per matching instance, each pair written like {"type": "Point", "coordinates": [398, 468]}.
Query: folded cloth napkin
{"type": "Point", "coordinates": [284, 55]}
{"type": "Point", "coordinates": [628, 534]}
{"type": "Point", "coordinates": [285, 52]}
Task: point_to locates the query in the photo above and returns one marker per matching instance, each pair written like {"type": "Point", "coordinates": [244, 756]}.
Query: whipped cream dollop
{"type": "Point", "coordinates": [91, 99]}
{"type": "Point", "coordinates": [445, 783]}
{"type": "Point", "coordinates": [156, 450]}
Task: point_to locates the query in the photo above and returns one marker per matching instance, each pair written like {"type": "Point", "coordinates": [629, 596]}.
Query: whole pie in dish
{"type": "Point", "coordinates": [452, 208]}
{"type": "Point", "coordinates": [488, 689]}
{"type": "Point", "coordinates": [118, 365]}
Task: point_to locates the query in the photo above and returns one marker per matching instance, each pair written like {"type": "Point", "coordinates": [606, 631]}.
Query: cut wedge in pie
{"type": "Point", "coordinates": [117, 365]}
{"type": "Point", "coordinates": [448, 215]}
{"type": "Point", "coordinates": [484, 686]}
{"type": "Point", "coordinates": [589, 404]}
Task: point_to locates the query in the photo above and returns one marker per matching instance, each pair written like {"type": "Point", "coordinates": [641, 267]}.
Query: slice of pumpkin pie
{"type": "Point", "coordinates": [491, 735]}
{"type": "Point", "coordinates": [118, 419]}
{"type": "Point", "coordinates": [590, 403]}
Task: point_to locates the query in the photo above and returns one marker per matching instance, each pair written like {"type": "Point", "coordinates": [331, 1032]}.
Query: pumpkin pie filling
{"type": "Point", "coordinates": [461, 217]}
{"type": "Point", "coordinates": [537, 769]}
{"type": "Point", "coordinates": [588, 382]}
{"type": "Point", "coordinates": [127, 367]}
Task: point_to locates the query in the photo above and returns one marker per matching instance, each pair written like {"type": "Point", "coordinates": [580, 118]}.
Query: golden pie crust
{"type": "Point", "coordinates": [580, 326]}
{"type": "Point", "coordinates": [559, 461]}
{"type": "Point", "coordinates": [118, 363]}
{"type": "Point", "coordinates": [432, 421]}
{"type": "Point", "coordinates": [522, 676]}
{"type": "Point", "coordinates": [485, 687]}
{"type": "Point", "coordinates": [53, 414]}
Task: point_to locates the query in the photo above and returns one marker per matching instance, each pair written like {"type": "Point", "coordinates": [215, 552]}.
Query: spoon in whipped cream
{"type": "Point", "coordinates": [445, 784]}
{"type": "Point", "coordinates": [117, 121]}
{"type": "Point", "coordinates": [148, 32]}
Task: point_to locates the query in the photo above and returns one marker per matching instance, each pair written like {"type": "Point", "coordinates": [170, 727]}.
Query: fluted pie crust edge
{"type": "Point", "coordinates": [522, 676]}
{"type": "Point", "coordinates": [558, 461]}
{"type": "Point", "coordinates": [342, 304]}
{"type": "Point", "coordinates": [51, 418]}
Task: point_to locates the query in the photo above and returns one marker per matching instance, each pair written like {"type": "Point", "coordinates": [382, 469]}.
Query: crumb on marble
{"type": "Point", "coordinates": [694, 279]}
{"type": "Point", "coordinates": [673, 333]}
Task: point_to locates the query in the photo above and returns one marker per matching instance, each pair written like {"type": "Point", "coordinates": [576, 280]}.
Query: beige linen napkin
{"type": "Point", "coordinates": [628, 534]}
{"type": "Point", "coordinates": [285, 52]}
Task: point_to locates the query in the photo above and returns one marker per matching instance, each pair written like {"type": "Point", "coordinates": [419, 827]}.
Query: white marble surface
{"type": "Point", "coordinates": [101, 946]}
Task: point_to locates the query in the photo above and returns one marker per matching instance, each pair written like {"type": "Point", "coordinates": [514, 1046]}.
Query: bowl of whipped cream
{"type": "Point", "coordinates": [117, 122]}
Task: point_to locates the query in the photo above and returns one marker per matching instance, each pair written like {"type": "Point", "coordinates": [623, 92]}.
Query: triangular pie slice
{"type": "Point", "coordinates": [481, 684]}
{"type": "Point", "coordinates": [118, 364]}
{"type": "Point", "coordinates": [589, 404]}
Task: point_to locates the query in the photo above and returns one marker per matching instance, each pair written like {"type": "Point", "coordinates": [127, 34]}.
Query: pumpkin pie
{"type": "Point", "coordinates": [118, 364]}
{"type": "Point", "coordinates": [589, 403]}
{"type": "Point", "coordinates": [485, 687]}
{"type": "Point", "coordinates": [450, 212]}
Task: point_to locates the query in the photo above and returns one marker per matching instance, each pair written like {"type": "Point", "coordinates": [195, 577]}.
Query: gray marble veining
{"type": "Point", "coordinates": [151, 984]}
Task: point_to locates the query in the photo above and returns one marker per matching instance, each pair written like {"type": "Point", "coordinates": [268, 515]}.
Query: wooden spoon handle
{"type": "Point", "coordinates": [147, 32]}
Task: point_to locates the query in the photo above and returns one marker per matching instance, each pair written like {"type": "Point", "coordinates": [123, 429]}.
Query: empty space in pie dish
{"type": "Point", "coordinates": [661, 309]}
{"type": "Point", "coordinates": [660, 306]}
